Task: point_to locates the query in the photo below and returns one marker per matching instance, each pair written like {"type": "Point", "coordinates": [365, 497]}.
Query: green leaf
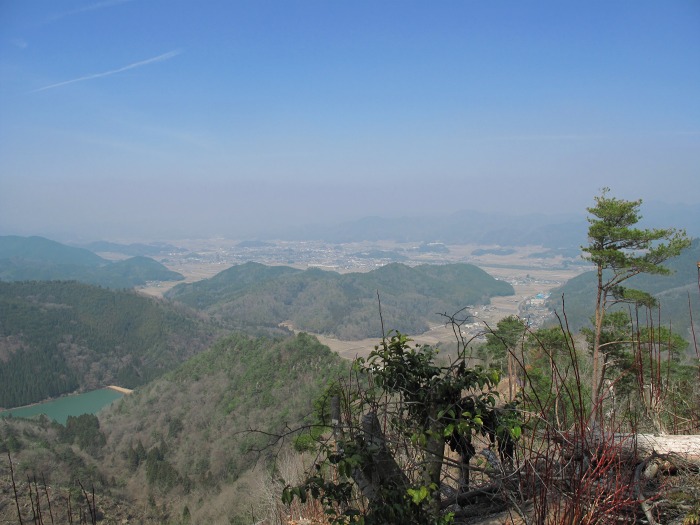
{"type": "Point", "coordinates": [418, 495]}
{"type": "Point", "coordinates": [287, 496]}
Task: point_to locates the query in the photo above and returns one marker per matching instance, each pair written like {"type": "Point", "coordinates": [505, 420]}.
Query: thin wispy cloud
{"type": "Point", "coordinates": [90, 7]}
{"type": "Point", "coordinates": [98, 5]}
{"type": "Point", "coordinates": [148, 61]}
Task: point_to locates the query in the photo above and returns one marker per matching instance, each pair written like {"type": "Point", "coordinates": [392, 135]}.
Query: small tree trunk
{"type": "Point", "coordinates": [383, 470]}
{"type": "Point", "coordinates": [597, 374]}
{"type": "Point", "coordinates": [434, 457]}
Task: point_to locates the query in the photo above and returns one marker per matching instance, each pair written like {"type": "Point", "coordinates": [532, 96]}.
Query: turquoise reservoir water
{"type": "Point", "coordinates": [60, 409]}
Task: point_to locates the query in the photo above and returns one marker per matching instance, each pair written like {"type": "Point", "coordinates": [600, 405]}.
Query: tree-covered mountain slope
{"type": "Point", "coordinates": [186, 437]}
{"type": "Point", "coordinates": [344, 305]}
{"type": "Point", "coordinates": [134, 271]}
{"type": "Point", "coordinates": [673, 293]}
{"type": "Point", "coordinates": [57, 337]}
{"type": "Point", "coordinates": [39, 249]}
{"type": "Point", "coordinates": [40, 259]}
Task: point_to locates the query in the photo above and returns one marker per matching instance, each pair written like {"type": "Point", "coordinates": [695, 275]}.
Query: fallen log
{"type": "Point", "coordinates": [685, 447]}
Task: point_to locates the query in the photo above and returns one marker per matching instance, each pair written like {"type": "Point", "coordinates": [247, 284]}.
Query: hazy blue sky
{"type": "Point", "coordinates": [175, 117]}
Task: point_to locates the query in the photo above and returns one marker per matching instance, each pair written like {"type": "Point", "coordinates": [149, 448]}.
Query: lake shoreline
{"type": "Point", "coordinates": [116, 388]}
{"type": "Point", "coordinates": [59, 409]}
{"type": "Point", "coordinates": [119, 389]}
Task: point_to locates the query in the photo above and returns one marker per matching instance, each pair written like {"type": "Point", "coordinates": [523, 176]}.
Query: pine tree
{"type": "Point", "coordinates": [619, 251]}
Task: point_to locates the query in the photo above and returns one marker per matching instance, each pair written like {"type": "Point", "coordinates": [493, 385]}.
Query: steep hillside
{"type": "Point", "coordinates": [672, 291]}
{"type": "Point", "coordinates": [185, 439]}
{"type": "Point", "coordinates": [344, 305]}
{"type": "Point", "coordinates": [39, 259]}
{"type": "Point", "coordinates": [57, 337]}
{"type": "Point", "coordinates": [182, 445]}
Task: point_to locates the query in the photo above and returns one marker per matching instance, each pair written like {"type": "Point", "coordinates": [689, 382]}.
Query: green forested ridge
{"type": "Point", "coordinates": [56, 337]}
{"type": "Point", "coordinates": [227, 284]}
{"type": "Point", "coordinates": [39, 249]}
{"type": "Point", "coordinates": [36, 258]}
{"type": "Point", "coordinates": [344, 305]}
{"type": "Point", "coordinates": [118, 275]}
{"type": "Point", "coordinates": [185, 435]}
{"type": "Point", "coordinates": [672, 292]}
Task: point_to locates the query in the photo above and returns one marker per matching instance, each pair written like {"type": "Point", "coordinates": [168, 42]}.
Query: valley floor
{"type": "Point", "coordinates": [531, 276]}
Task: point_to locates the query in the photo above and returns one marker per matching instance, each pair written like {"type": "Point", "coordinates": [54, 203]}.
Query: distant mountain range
{"type": "Point", "coordinates": [40, 259]}
{"type": "Point", "coordinates": [560, 231]}
{"type": "Point", "coordinates": [344, 305]}
{"type": "Point", "coordinates": [465, 227]}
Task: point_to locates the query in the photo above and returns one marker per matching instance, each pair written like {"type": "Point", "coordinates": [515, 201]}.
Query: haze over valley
{"type": "Point", "coordinates": [367, 261]}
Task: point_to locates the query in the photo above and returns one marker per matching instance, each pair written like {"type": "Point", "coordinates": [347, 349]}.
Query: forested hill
{"type": "Point", "coordinates": [57, 337]}
{"type": "Point", "coordinates": [186, 436]}
{"type": "Point", "coordinates": [343, 305]}
{"type": "Point", "coordinates": [37, 258]}
{"type": "Point", "coordinates": [672, 291]}
{"type": "Point", "coordinates": [39, 249]}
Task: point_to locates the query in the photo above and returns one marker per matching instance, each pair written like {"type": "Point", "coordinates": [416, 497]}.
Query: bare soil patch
{"type": "Point", "coordinates": [120, 389]}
